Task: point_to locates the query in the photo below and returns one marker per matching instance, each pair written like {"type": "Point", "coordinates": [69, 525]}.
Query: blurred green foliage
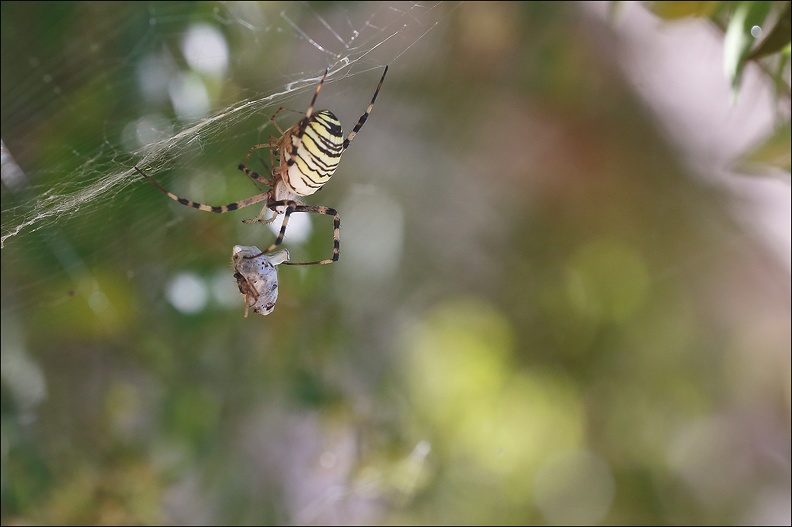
{"type": "Point", "coordinates": [754, 32]}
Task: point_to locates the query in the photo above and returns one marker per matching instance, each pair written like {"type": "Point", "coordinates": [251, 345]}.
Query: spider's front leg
{"type": "Point", "coordinates": [260, 217]}
{"type": "Point", "coordinates": [267, 180]}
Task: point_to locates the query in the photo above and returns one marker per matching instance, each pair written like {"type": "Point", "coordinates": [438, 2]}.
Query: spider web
{"type": "Point", "coordinates": [189, 90]}
{"type": "Point", "coordinates": [182, 91]}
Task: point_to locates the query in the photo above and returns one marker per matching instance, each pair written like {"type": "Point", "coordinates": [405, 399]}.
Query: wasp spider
{"type": "Point", "coordinates": [308, 154]}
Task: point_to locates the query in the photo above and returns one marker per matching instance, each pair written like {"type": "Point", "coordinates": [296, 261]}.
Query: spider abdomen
{"type": "Point", "coordinates": [318, 152]}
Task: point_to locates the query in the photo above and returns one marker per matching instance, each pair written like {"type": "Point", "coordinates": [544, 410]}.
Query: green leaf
{"type": "Point", "coordinates": [778, 38]}
{"type": "Point", "coordinates": [773, 152]}
{"type": "Point", "coordinates": [738, 40]}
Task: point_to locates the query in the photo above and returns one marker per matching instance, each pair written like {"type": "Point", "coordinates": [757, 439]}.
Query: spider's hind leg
{"type": "Point", "coordinates": [293, 206]}
{"type": "Point", "coordinates": [218, 209]}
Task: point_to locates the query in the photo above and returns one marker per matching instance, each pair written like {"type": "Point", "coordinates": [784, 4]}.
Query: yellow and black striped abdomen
{"type": "Point", "coordinates": [318, 153]}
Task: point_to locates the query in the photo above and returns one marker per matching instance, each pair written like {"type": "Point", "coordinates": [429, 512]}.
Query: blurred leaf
{"type": "Point", "coordinates": [773, 152]}
{"type": "Point", "coordinates": [778, 38]}
{"type": "Point", "coordinates": [676, 10]}
{"type": "Point", "coordinates": [738, 41]}
{"type": "Point", "coordinates": [778, 76]}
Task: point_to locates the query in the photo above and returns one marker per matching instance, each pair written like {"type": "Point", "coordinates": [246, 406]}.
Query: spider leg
{"type": "Point", "coordinates": [309, 111]}
{"type": "Point", "coordinates": [271, 144]}
{"type": "Point", "coordinates": [260, 217]}
{"type": "Point", "coordinates": [277, 127]}
{"type": "Point", "coordinates": [293, 206]}
{"type": "Point", "coordinates": [218, 209]}
{"type": "Point", "coordinates": [365, 115]}
{"type": "Point", "coordinates": [247, 289]}
{"type": "Point", "coordinates": [299, 128]}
